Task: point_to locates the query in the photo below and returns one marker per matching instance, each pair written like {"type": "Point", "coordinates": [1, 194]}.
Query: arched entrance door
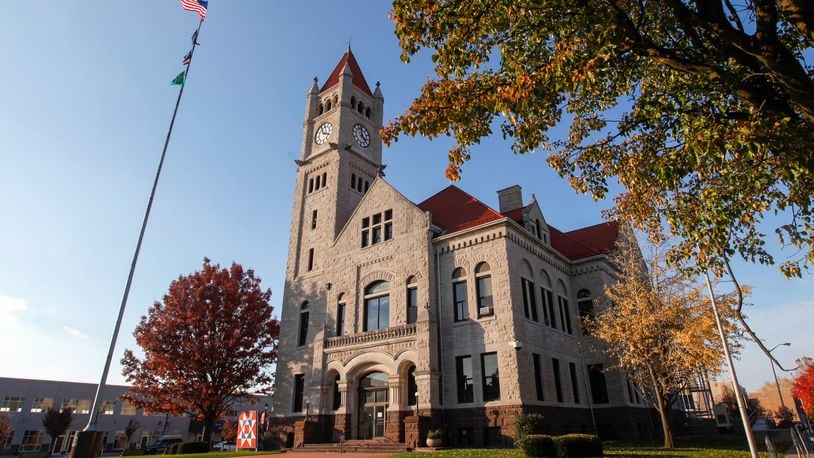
{"type": "Point", "coordinates": [372, 405]}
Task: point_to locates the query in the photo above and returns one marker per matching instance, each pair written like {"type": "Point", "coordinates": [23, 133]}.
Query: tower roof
{"type": "Point", "coordinates": [356, 73]}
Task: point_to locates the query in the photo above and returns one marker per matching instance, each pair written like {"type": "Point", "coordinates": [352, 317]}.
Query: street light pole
{"type": "Point", "coordinates": [777, 382]}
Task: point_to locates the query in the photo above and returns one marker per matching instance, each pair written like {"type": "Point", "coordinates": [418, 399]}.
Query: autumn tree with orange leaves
{"type": "Point", "coordinates": [803, 388]}
{"type": "Point", "coordinates": [208, 343]}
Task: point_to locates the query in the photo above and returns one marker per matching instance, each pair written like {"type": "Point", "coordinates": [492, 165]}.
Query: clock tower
{"type": "Point", "coordinates": [341, 156]}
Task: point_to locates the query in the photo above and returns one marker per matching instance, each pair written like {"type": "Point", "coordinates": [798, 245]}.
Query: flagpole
{"type": "Point", "coordinates": [94, 412]}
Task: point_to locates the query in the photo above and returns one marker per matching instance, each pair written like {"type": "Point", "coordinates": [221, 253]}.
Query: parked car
{"type": "Point", "coordinates": [161, 445]}
{"type": "Point", "coordinates": [225, 446]}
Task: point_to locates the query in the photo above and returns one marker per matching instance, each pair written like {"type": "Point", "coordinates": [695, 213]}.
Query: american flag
{"type": "Point", "coordinates": [199, 6]}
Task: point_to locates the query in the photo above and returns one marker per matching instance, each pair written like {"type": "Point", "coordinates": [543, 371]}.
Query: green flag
{"type": "Point", "coordinates": [179, 80]}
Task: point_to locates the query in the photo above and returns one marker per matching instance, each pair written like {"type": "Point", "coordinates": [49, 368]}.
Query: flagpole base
{"type": "Point", "coordinates": [87, 444]}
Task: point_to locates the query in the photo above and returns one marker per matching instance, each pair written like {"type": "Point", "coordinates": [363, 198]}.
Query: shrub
{"type": "Point", "coordinates": [527, 424]}
{"type": "Point", "coordinates": [133, 452]}
{"type": "Point", "coordinates": [193, 447]}
{"type": "Point", "coordinates": [578, 445]}
{"type": "Point", "coordinates": [539, 445]}
{"type": "Point", "coordinates": [435, 434]}
{"type": "Point", "coordinates": [173, 450]}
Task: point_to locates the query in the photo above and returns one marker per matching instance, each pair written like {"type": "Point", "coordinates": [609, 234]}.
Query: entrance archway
{"type": "Point", "coordinates": [373, 402]}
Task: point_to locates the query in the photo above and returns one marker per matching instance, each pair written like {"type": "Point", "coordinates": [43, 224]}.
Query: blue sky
{"type": "Point", "coordinates": [85, 101]}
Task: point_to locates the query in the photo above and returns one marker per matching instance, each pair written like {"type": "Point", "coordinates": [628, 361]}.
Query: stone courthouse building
{"type": "Point", "coordinates": [400, 316]}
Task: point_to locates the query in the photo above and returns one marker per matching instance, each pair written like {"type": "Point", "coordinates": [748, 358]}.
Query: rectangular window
{"type": "Point", "coordinates": [548, 304]}
{"type": "Point", "coordinates": [572, 368]}
{"type": "Point", "coordinates": [41, 404]}
{"type": "Point", "coordinates": [128, 408]}
{"type": "Point", "coordinates": [538, 376]}
{"type": "Point", "coordinates": [12, 404]}
{"type": "Point", "coordinates": [599, 387]}
{"type": "Point", "coordinates": [483, 284]}
{"type": "Point", "coordinates": [32, 441]}
{"type": "Point", "coordinates": [529, 299]}
{"type": "Point", "coordinates": [463, 371]}
{"type": "Point", "coordinates": [353, 181]}
{"type": "Point", "coordinates": [388, 224]}
{"type": "Point", "coordinates": [299, 390]}
{"type": "Point", "coordinates": [459, 297]}
{"type": "Point", "coordinates": [107, 407]}
{"type": "Point", "coordinates": [314, 219]}
{"type": "Point", "coordinates": [491, 378]}
{"type": "Point", "coordinates": [365, 231]}
{"type": "Point", "coordinates": [565, 315]}
{"type": "Point", "coordinates": [79, 406]}
{"type": "Point", "coordinates": [376, 235]}
{"type": "Point", "coordinates": [555, 364]}
{"type": "Point", "coordinates": [310, 259]}
{"type": "Point", "coordinates": [412, 304]}
{"type": "Point", "coordinates": [340, 319]}
{"type": "Point", "coordinates": [303, 335]}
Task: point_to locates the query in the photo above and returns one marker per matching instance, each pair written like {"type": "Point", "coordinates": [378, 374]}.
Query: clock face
{"type": "Point", "coordinates": [323, 133]}
{"type": "Point", "coordinates": [361, 135]}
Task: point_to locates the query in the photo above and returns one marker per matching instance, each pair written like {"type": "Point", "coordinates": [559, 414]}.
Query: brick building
{"type": "Point", "coordinates": [398, 316]}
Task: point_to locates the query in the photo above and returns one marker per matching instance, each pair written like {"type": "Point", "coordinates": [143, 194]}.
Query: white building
{"type": "Point", "coordinates": [400, 315]}
{"type": "Point", "coordinates": [25, 401]}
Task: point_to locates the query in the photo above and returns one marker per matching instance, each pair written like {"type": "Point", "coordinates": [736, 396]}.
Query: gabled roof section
{"type": "Point", "coordinates": [586, 241]}
{"type": "Point", "coordinates": [454, 210]}
{"type": "Point", "coordinates": [358, 78]}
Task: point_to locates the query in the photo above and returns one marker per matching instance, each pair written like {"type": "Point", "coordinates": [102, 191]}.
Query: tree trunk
{"type": "Point", "coordinates": [666, 428]}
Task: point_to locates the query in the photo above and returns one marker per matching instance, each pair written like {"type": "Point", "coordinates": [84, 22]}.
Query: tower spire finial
{"type": "Point", "coordinates": [349, 41]}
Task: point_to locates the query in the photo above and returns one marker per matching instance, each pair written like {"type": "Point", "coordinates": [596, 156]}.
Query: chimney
{"type": "Point", "coordinates": [510, 198]}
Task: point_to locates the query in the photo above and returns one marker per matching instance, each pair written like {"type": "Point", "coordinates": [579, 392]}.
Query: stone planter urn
{"type": "Point", "coordinates": [434, 438]}
{"type": "Point", "coordinates": [434, 442]}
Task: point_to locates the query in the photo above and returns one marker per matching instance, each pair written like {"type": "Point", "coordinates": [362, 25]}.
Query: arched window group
{"type": "Point", "coordinates": [483, 292]}
{"type": "Point", "coordinates": [359, 106]}
{"type": "Point", "coordinates": [316, 182]}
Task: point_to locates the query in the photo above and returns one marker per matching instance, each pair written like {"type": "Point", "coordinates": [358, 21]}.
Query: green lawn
{"type": "Point", "coordinates": [702, 448]}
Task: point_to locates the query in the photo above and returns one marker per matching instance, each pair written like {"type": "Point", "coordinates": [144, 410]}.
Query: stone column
{"type": "Point", "coordinates": [394, 426]}
{"type": "Point", "coordinates": [342, 425]}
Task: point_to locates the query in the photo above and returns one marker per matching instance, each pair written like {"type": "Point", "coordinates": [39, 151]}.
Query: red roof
{"type": "Point", "coordinates": [454, 210]}
{"type": "Point", "coordinates": [355, 71]}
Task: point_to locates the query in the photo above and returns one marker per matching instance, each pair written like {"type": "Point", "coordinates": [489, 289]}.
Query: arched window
{"type": "Point", "coordinates": [367, 112]}
{"type": "Point", "coordinates": [324, 178]}
{"type": "Point", "coordinates": [304, 315]}
{"type": "Point", "coordinates": [539, 230]}
{"type": "Point", "coordinates": [336, 100]}
{"type": "Point", "coordinates": [377, 306]}
{"type": "Point", "coordinates": [586, 310]}
{"type": "Point", "coordinates": [340, 315]}
{"type": "Point", "coordinates": [483, 286]}
{"type": "Point", "coordinates": [547, 296]}
{"type": "Point", "coordinates": [316, 183]}
{"type": "Point", "coordinates": [353, 101]}
{"type": "Point", "coordinates": [353, 181]}
{"type": "Point", "coordinates": [360, 107]}
{"type": "Point", "coordinates": [412, 388]}
{"type": "Point", "coordinates": [459, 294]}
{"type": "Point", "coordinates": [412, 300]}
{"type": "Point", "coordinates": [328, 106]}
{"type": "Point", "coordinates": [321, 109]}
{"type": "Point", "coordinates": [310, 185]}
{"type": "Point", "coordinates": [336, 401]}
{"type": "Point", "coordinates": [565, 312]}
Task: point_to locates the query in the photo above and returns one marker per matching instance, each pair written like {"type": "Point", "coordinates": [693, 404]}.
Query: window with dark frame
{"type": "Point", "coordinates": [491, 377]}
{"type": "Point", "coordinates": [565, 315]}
{"type": "Point", "coordinates": [376, 229]}
{"type": "Point", "coordinates": [340, 317]}
{"type": "Point", "coordinates": [555, 365]}
{"type": "Point", "coordinates": [483, 288]}
{"type": "Point", "coordinates": [336, 402]}
{"type": "Point", "coordinates": [586, 311]}
{"type": "Point", "coordinates": [459, 293]}
{"type": "Point", "coordinates": [310, 259]}
{"type": "Point", "coordinates": [314, 219]}
{"type": "Point", "coordinates": [599, 386]}
{"type": "Point", "coordinates": [572, 368]}
{"type": "Point", "coordinates": [529, 299]}
{"type": "Point", "coordinates": [412, 300]}
{"type": "Point", "coordinates": [463, 372]}
{"type": "Point", "coordinates": [377, 306]}
{"type": "Point", "coordinates": [538, 377]}
{"type": "Point", "coordinates": [353, 181]}
{"type": "Point", "coordinates": [302, 336]}
{"type": "Point", "coordinates": [412, 387]}
{"type": "Point", "coordinates": [299, 391]}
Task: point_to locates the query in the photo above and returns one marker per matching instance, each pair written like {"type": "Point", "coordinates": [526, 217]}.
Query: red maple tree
{"type": "Point", "coordinates": [206, 344]}
{"type": "Point", "coordinates": [803, 387]}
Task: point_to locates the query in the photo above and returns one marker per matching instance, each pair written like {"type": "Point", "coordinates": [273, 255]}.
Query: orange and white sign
{"type": "Point", "coordinates": [247, 430]}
